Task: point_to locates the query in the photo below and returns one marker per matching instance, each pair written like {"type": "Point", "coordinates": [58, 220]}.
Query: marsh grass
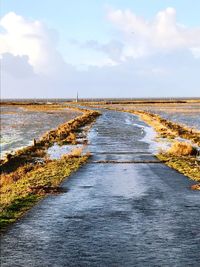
{"type": "Point", "coordinates": [67, 132]}
{"type": "Point", "coordinates": [187, 165]}
{"type": "Point", "coordinates": [76, 152]}
{"type": "Point", "coordinates": [182, 157]}
{"type": "Point", "coordinates": [18, 195]}
{"type": "Point", "coordinates": [182, 149]}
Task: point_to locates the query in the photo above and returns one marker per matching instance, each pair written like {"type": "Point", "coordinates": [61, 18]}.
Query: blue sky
{"type": "Point", "coordinates": [111, 48]}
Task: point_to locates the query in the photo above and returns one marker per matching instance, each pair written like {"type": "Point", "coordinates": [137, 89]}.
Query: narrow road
{"type": "Point", "coordinates": [118, 213]}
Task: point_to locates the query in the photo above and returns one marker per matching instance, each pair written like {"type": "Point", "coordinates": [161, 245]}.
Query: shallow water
{"type": "Point", "coordinates": [19, 127]}
{"type": "Point", "coordinates": [56, 151]}
{"type": "Point", "coordinates": [189, 119]}
{"type": "Point", "coordinates": [114, 214]}
{"type": "Point", "coordinates": [187, 114]}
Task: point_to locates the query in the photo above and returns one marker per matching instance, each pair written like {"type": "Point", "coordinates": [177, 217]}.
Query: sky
{"type": "Point", "coordinates": [100, 48]}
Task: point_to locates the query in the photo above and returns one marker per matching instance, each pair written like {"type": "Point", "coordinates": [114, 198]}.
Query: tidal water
{"type": "Point", "coordinates": [117, 213]}
{"type": "Point", "coordinates": [19, 126]}
{"type": "Point", "coordinates": [187, 114]}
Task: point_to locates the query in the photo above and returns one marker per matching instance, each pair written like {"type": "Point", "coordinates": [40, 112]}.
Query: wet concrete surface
{"type": "Point", "coordinates": [119, 214]}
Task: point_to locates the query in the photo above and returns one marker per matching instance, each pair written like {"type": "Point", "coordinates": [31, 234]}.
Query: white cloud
{"type": "Point", "coordinates": [155, 60]}
{"type": "Point", "coordinates": [162, 34]}
{"type": "Point", "coordinates": [113, 48]}
{"type": "Point", "coordinates": [23, 37]}
{"type": "Point", "coordinates": [174, 75]}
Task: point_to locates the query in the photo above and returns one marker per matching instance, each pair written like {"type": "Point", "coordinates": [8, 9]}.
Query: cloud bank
{"type": "Point", "coordinates": [147, 59]}
{"type": "Point", "coordinates": [162, 34]}
{"type": "Point", "coordinates": [23, 37]}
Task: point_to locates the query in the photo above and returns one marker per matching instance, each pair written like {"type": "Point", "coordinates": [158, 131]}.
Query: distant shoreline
{"type": "Point", "coordinates": [38, 101]}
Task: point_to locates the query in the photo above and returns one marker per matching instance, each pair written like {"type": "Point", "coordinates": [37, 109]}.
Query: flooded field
{"type": "Point", "coordinates": [19, 126]}
{"type": "Point", "coordinates": [184, 113]}
{"type": "Point", "coordinates": [130, 210]}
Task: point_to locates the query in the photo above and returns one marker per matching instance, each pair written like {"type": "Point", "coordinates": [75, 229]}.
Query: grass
{"type": "Point", "coordinates": [182, 149]}
{"type": "Point", "coordinates": [45, 107]}
{"type": "Point", "coordinates": [65, 133]}
{"type": "Point", "coordinates": [182, 157]}
{"type": "Point", "coordinates": [16, 209]}
{"type": "Point", "coordinates": [19, 195]}
{"type": "Point", "coordinates": [187, 165]}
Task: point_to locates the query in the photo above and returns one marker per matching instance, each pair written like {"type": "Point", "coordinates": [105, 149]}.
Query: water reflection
{"type": "Point", "coordinates": [112, 214]}
{"type": "Point", "coordinates": [19, 126]}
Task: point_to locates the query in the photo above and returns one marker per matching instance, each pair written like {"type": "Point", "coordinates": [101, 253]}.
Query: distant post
{"type": "Point", "coordinates": [77, 97]}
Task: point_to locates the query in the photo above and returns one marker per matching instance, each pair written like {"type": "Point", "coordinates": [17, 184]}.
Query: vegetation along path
{"type": "Point", "coordinates": [123, 208]}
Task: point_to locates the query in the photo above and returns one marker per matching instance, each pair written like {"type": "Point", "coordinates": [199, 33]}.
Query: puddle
{"type": "Point", "coordinates": [155, 144]}
{"type": "Point", "coordinates": [56, 151]}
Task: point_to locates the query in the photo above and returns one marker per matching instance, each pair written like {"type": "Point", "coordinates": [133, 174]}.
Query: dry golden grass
{"type": "Point", "coordinates": [45, 108]}
{"type": "Point", "coordinates": [23, 188]}
{"type": "Point", "coordinates": [187, 165]}
{"type": "Point", "coordinates": [67, 130]}
{"type": "Point", "coordinates": [195, 187]}
{"type": "Point", "coordinates": [13, 177]}
{"type": "Point", "coordinates": [71, 138]}
{"type": "Point", "coordinates": [76, 152]}
{"type": "Point", "coordinates": [182, 149]}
